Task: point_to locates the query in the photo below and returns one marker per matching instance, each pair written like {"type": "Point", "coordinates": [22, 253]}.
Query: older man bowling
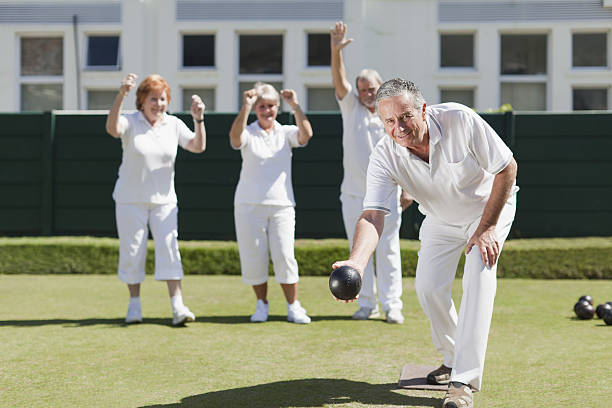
{"type": "Point", "coordinates": [463, 177]}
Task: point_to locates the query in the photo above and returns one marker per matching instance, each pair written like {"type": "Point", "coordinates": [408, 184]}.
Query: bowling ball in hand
{"type": "Point", "coordinates": [345, 283]}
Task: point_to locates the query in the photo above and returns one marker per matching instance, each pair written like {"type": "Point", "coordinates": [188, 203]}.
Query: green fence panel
{"type": "Point", "coordinates": [58, 170]}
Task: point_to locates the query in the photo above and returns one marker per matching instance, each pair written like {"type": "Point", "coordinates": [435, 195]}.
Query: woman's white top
{"type": "Point", "coordinates": [265, 176]}
{"type": "Point", "coordinates": [146, 174]}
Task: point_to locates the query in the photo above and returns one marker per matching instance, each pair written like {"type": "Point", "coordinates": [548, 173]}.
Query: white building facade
{"type": "Point", "coordinates": [541, 55]}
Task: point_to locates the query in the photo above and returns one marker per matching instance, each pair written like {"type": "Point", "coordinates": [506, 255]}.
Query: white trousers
{"type": "Point", "coordinates": [133, 223]}
{"type": "Point", "coordinates": [388, 274]}
{"type": "Point", "coordinates": [265, 231]}
{"type": "Point", "coordinates": [461, 339]}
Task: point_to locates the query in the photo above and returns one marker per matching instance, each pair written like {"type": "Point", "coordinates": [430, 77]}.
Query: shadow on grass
{"type": "Point", "coordinates": [312, 392]}
{"type": "Point", "coordinates": [167, 321]}
{"type": "Point", "coordinates": [85, 322]}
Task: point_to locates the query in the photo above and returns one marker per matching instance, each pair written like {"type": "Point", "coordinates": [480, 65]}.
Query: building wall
{"type": "Point", "coordinates": [396, 37]}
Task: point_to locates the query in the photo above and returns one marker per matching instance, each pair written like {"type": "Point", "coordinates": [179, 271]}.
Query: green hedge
{"type": "Point", "coordinates": [570, 258]}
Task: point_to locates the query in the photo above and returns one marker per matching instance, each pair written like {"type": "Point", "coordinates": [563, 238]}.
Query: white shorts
{"type": "Point", "coordinates": [133, 222]}
{"type": "Point", "coordinates": [263, 228]}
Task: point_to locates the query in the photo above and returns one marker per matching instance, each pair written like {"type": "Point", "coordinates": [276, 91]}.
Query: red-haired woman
{"type": "Point", "coordinates": [144, 192]}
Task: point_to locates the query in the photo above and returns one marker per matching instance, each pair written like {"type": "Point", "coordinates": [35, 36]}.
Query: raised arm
{"type": "Point", "coordinates": [484, 237]}
{"type": "Point", "coordinates": [337, 38]}
{"type": "Point", "coordinates": [113, 126]}
{"type": "Point", "coordinates": [198, 143]}
{"type": "Point", "coordinates": [305, 129]}
{"type": "Point", "coordinates": [248, 99]}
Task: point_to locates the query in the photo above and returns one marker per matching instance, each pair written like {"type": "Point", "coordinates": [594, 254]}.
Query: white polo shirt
{"type": "Point", "coordinates": [465, 153]}
{"type": "Point", "coordinates": [265, 176]}
{"type": "Point", "coordinates": [146, 174]}
{"type": "Point", "coordinates": [362, 130]}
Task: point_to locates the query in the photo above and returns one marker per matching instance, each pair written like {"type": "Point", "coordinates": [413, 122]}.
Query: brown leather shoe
{"type": "Point", "coordinates": [439, 376]}
{"type": "Point", "coordinates": [458, 395]}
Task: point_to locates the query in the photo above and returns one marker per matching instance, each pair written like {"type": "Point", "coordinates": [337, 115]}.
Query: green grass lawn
{"type": "Point", "coordinates": [63, 343]}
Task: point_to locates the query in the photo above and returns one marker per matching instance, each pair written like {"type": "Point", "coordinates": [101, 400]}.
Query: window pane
{"type": "Point", "coordinates": [590, 99]}
{"type": "Point", "coordinates": [261, 54]}
{"type": "Point", "coordinates": [589, 50]}
{"type": "Point", "coordinates": [42, 56]}
{"type": "Point", "coordinates": [41, 97]}
{"type": "Point", "coordinates": [319, 51]}
{"type": "Point", "coordinates": [100, 99]}
{"type": "Point", "coordinates": [207, 95]}
{"type": "Point", "coordinates": [243, 86]}
{"type": "Point", "coordinates": [464, 96]}
{"type": "Point", "coordinates": [103, 51]}
{"type": "Point", "coordinates": [523, 54]}
{"type": "Point", "coordinates": [322, 99]}
{"type": "Point", "coordinates": [524, 96]}
{"type": "Point", "coordinates": [199, 50]}
{"type": "Point", "coordinates": [457, 50]}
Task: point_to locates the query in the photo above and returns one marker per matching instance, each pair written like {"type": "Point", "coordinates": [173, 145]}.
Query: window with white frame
{"type": "Point", "coordinates": [103, 52]}
{"type": "Point", "coordinates": [589, 50]}
{"type": "Point", "coordinates": [524, 71]}
{"type": "Point", "coordinates": [207, 95]}
{"type": "Point", "coordinates": [260, 58]}
{"type": "Point", "coordinates": [41, 73]}
{"type": "Point", "coordinates": [463, 96]}
{"type": "Point", "coordinates": [319, 50]}
{"type": "Point", "coordinates": [198, 50]}
{"type": "Point", "coordinates": [590, 98]}
{"type": "Point", "coordinates": [456, 50]}
{"type": "Point", "coordinates": [322, 99]}
{"type": "Point", "coordinates": [101, 99]}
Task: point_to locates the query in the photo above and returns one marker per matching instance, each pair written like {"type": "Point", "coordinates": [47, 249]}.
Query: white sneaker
{"type": "Point", "coordinates": [296, 313]}
{"type": "Point", "coordinates": [395, 316]}
{"type": "Point", "coordinates": [134, 313]}
{"type": "Point", "coordinates": [181, 316]}
{"type": "Point", "coordinates": [261, 312]}
{"type": "Point", "coordinates": [365, 313]}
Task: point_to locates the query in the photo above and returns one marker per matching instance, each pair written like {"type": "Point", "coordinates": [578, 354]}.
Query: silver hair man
{"type": "Point", "coordinates": [398, 86]}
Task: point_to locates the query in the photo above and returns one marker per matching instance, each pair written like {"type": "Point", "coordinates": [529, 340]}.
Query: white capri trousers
{"type": "Point", "coordinates": [265, 231]}
{"type": "Point", "coordinates": [133, 223]}
{"type": "Point", "coordinates": [462, 340]}
{"type": "Point", "coordinates": [388, 275]}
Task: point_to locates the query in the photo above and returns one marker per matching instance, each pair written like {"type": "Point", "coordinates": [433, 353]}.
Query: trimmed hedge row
{"type": "Point", "coordinates": [570, 258]}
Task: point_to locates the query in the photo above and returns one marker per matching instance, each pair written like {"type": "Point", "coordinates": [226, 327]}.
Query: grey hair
{"type": "Point", "coordinates": [366, 74]}
{"type": "Point", "coordinates": [266, 91]}
{"type": "Point", "coordinates": [398, 86]}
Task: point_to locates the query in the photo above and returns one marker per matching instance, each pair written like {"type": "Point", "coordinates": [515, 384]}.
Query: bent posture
{"type": "Point", "coordinates": [463, 177]}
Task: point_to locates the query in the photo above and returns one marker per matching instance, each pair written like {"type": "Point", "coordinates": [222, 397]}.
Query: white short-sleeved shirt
{"type": "Point", "coordinates": [265, 176]}
{"type": "Point", "coordinates": [146, 174]}
{"type": "Point", "coordinates": [465, 153]}
{"type": "Point", "coordinates": [362, 130]}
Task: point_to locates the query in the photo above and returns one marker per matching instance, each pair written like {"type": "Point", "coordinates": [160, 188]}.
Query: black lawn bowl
{"type": "Point", "coordinates": [588, 298]}
{"type": "Point", "coordinates": [581, 303]}
{"type": "Point", "coordinates": [585, 312]}
{"type": "Point", "coordinates": [602, 309]}
{"type": "Point", "coordinates": [345, 283]}
{"type": "Point", "coordinates": [608, 317]}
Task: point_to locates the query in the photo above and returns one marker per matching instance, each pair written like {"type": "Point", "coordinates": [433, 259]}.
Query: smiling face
{"type": "Point", "coordinates": [266, 111]}
{"type": "Point", "coordinates": [367, 89]}
{"type": "Point", "coordinates": [403, 122]}
{"type": "Point", "coordinates": [154, 105]}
